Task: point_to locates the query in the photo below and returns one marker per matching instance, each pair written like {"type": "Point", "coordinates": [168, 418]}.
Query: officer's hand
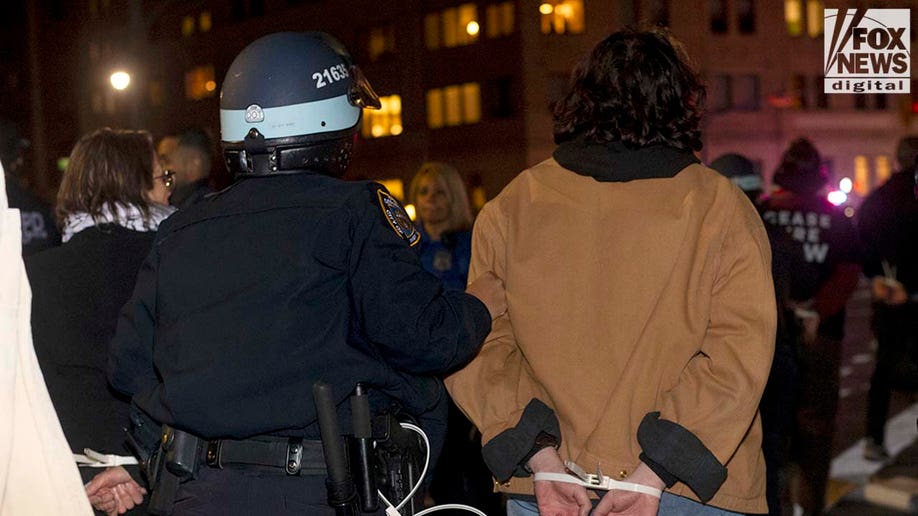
{"type": "Point", "coordinates": [557, 498]}
{"type": "Point", "coordinates": [113, 491]}
{"type": "Point", "coordinates": [489, 289]}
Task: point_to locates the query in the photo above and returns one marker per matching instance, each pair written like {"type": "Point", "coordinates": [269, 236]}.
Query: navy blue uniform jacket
{"type": "Point", "coordinates": [252, 295]}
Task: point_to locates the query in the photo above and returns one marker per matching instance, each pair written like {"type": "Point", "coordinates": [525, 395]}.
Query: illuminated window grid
{"type": "Point", "coordinates": [793, 17]}
{"type": "Point", "coordinates": [454, 105]}
{"type": "Point", "coordinates": [385, 121]}
{"type": "Point", "coordinates": [188, 25]}
{"type": "Point", "coordinates": [200, 83]}
{"type": "Point", "coordinates": [381, 41]}
{"type": "Point", "coordinates": [561, 17]}
{"type": "Point", "coordinates": [861, 175]}
{"type": "Point", "coordinates": [500, 19]}
{"type": "Point", "coordinates": [815, 19]}
{"type": "Point", "coordinates": [452, 27]}
{"type": "Point", "coordinates": [205, 21]}
{"type": "Point", "coordinates": [884, 170]}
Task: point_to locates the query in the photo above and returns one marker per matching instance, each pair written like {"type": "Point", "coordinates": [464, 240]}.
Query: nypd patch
{"type": "Point", "coordinates": [398, 218]}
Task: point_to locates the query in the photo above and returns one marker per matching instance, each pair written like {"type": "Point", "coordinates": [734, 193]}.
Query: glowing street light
{"type": "Point", "coordinates": [546, 8]}
{"type": "Point", "coordinates": [120, 80]}
{"type": "Point", "coordinates": [472, 28]}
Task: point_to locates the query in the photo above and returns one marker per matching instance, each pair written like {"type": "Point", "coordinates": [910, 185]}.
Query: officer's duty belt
{"type": "Point", "coordinates": [281, 455]}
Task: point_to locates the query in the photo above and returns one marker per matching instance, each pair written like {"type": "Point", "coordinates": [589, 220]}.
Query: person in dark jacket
{"type": "Point", "coordinates": [112, 198]}
{"type": "Point", "coordinates": [826, 248]}
{"type": "Point", "coordinates": [39, 231]}
{"type": "Point", "coordinates": [287, 278]}
{"type": "Point", "coordinates": [888, 227]}
{"type": "Point", "coordinates": [190, 157]}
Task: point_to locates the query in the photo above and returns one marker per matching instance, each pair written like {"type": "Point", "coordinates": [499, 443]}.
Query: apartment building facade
{"type": "Point", "coordinates": [471, 82]}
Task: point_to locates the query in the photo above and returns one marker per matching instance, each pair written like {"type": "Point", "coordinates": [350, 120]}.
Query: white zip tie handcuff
{"type": "Point", "coordinates": [594, 481]}
{"type": "Point", "coordinates": [93, 459]}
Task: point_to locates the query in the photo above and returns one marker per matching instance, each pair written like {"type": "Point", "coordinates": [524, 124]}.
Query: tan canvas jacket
{"type": "Point", "coordinates": [627, 298]}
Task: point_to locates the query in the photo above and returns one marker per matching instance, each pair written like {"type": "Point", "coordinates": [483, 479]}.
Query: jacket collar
{"type": "Point", "coordinates": [614, 162]}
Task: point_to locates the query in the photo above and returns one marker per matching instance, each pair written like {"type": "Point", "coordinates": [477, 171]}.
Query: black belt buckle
{"type": "Point", "coordinates": [294, 456]}
{"type": "Point", "coordinates": [212, 458]}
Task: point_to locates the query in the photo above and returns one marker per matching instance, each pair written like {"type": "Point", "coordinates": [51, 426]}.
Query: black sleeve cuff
{"type": "Point", "coordinates": [504, 453]}
{"type": "Point", "coordinates": [680, 455]}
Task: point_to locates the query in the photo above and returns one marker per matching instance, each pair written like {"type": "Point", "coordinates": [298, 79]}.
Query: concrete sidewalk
{"type": "Point", "coordinates": [851, 474]}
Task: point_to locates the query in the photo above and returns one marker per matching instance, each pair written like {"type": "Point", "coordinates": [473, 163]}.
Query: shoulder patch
{"type": "Point", "coordinates": [398, 218]}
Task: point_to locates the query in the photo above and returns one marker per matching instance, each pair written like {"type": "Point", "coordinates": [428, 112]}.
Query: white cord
{"type": "Point", "coordinates": [392, 510]}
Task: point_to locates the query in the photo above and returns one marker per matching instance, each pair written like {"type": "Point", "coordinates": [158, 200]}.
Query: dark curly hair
{"type": "Point", "coordinates": [637, 87]}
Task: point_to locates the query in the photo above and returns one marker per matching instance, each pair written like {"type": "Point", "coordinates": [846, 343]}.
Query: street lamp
{"type": "Point", "coordinates": [120, 80]}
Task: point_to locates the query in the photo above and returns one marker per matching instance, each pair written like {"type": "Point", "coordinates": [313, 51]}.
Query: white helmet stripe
{"type": "Point", "coordinates": [295, 120]}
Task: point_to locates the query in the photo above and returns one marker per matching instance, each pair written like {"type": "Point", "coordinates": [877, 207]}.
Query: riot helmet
{"type": "Point", "coordinates": [741, 171]}
{"type": "Point", "coordinates": [292, 101]}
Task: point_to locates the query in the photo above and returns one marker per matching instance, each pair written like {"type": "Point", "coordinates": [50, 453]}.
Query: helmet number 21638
{"type": "Point", "coordinates": [330, 75]}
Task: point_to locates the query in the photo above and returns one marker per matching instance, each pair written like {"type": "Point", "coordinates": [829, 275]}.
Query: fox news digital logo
{"type": "Point", "coordinates": [867, 50]}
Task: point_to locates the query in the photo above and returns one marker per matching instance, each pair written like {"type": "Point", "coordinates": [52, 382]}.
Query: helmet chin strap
{"type": "Point", "coordinates": [329, 157]}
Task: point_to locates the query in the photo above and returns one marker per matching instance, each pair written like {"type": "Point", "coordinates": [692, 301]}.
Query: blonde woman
{"type": "Point", "coordinates": [445, 222]}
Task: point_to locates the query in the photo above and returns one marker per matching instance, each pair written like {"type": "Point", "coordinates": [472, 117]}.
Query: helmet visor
{"type": "Point", "coordinates": [360, 93]}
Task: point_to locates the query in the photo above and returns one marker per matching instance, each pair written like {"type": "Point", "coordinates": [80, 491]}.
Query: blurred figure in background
{"type": "Point", "coordinates": [111, 200]}
{"type": "Point", "coordinates": [39, 230]}
{"type": "Point", "coordinates": [888, 227]}
{"type": "Point", "coordinates": [190, 156]}
{"type": "Point", "coordinates": [779, 398]}
{"type": "Point", "coordinates": [444, 220]}
{"type": "Point", "coordinates": [825, 247]}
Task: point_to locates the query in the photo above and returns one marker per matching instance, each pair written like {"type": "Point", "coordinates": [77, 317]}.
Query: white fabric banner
{"type": "Point", "coordinates": [37, 471]}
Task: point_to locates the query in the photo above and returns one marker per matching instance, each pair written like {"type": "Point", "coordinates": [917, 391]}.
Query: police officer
{"type": "Point", "coordinates": [39, 230]}
{"type": "Point", "coordinates": [288, 277]}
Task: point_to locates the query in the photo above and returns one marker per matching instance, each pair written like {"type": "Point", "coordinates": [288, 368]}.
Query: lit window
{"type": "Point", "coordinates": [471, 102]}
{"type": "Point", "coordinates": [560, 17]}
{"type": "Point", "coordinates": [205, 22]}
{"type": "Point", "coordinates": [188, 25]}
{"type": "Point", "coordinates": [500, 19]}
{"type": "Point", "coordinates": [883, 170]}
{"type": "Point", "coordinates": [450, 19]}
{"type": "Point", "coordinates": [435, 109]}
{"type": "Point", "coordinates": [814, 18]}
{"type": "Point", "coordinates": [381, 41]}
{"type": "Point", "coordinates": [385, 121]}
{"type": "Point", "coordinates": [396, 187]}
{"type": "Point", "coordinates": [200, 83]}
{"type": "Point", "coordinates": [793, 16]}
{"type": "Point", "coordinates": [468, 28]}
{"type": "Point", "coordinates": [432, 30]}
{"type": "Point", "coordinates": [861, 175]}
{"type": "Point", "coordinates": [454, 105]}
